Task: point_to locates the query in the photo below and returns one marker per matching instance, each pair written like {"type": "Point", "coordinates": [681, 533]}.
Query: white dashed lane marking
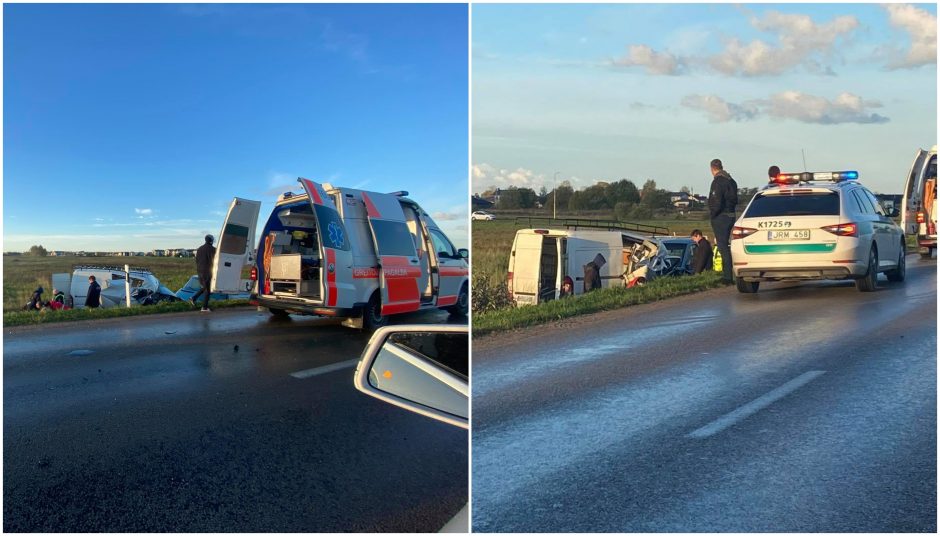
{"type": "Point", "coordinates": [755, 405]}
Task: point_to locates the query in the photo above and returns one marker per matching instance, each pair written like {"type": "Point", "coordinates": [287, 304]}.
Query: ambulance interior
{"type": "Point", "coordinates": [292, 253]}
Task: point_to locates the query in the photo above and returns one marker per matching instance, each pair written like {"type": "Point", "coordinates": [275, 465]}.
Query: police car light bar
{"type": "Point", "coordinates": [806, 176]}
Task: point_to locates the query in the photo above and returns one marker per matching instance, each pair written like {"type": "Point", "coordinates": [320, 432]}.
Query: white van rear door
{"type": "Point", "coordinates": [526, 264]}
{"type": "Point", "coordinates": [235, 244]}
{"type": "Point", "coordinates": [335, 248]}
{"type": "Point", "coordinates": [399, 266]}
{"type": "Point", "coordinates": [913, 194]}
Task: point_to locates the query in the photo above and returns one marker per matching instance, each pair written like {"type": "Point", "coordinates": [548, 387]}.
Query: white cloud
{"type": "Point", "coordinates": [802, 107]}
{"type": "Point", "coordinates": [800, 41]}
{"type": "Point", "coordinates": [845, 108]}
{"type": "Point", "coordinates": [144, 211]}
{"type": "Point", "coordinates": [921, 27]}
{"type": "Point", "coordinates": [718, 109]}
{"type": "Point", "coordinates": [485, 176]}
{"type": "Point", "coordinates": [654, 62]}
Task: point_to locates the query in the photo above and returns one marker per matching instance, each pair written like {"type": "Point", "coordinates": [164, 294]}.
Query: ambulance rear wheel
{"type": "Point", "coordinates": [278, 313]}
{"type": "Point", "coordinates": [462, 307]}
{"type": "Point", "coordinates": [372, 313]}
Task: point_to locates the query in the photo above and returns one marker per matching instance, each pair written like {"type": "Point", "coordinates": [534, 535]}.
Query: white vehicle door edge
{"type": "Point", "coordinates": [234, 245]}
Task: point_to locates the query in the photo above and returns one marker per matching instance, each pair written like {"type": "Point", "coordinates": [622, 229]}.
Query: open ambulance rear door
{"type": "Point", "coordinates": [399, 266]}
{"type": "Point", "coordinates": [913, 194]}
{"type": "Point", "coordinates": [235, 245]}
{"type": "Point", "coordinates": [335, 249]}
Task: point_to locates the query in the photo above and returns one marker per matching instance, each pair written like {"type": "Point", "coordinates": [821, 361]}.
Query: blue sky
{"type": "Point", "coordinates": [133, 126]}
{"type": "Point", "coordinates": [601, 92]}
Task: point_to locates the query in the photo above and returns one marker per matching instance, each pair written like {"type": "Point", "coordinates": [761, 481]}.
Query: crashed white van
{"type": "Point", "coordinates": [146, 289]}
{"type": "Point", "coordinates": [919, 208]}
{"type": "Point", "coordinates": [345, 253]}
{"type": "Point", "coordinates": [546, 264]}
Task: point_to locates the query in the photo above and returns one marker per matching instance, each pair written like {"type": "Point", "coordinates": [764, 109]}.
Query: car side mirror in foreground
{"type": "Point", "coordinates": [422, 368]}
{"type": "Point", "coordinates": [464, 253]}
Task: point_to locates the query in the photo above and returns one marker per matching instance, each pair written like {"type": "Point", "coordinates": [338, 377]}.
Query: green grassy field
{"type": "Point", "coordinates": [22, 274]}
{"type": "Point", "coordinates": [593, 302]}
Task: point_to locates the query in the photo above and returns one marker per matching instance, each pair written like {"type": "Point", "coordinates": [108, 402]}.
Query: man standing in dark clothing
{"type": "Point", "coordinates": [205, 256]}
{"type": "Point", "coordinates": [722, 199]}
{"type": "Point", "coordinates": [702, 258]}
{"type": "Point", "coordinates": [93, 298]}
{"type": "Point", "coordinates": [592, 273]}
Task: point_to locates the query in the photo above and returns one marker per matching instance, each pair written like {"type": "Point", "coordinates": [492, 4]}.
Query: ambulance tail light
{"type": "Point", "coordinates": [842, 229]}
{"type": "Point", "coordinates": [509, 281]}
{"type": "Point", "coordinates": [741, 232]}
{"type": "Point", "coordinates": [254, 273]}
{"type": "Point", "coordinates": [921, 217]}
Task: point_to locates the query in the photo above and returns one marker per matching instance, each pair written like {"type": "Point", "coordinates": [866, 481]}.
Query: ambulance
{"type": "Point", "coordinates": [919, 206]}
{"type": "Point", "coordinates": [341, 252]}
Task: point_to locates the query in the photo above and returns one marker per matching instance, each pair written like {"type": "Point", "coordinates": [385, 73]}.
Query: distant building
{"type": "Point", "coordinates": [478, 203]}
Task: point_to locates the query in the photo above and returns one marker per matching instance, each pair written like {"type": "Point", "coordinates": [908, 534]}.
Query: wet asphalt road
{"type": "Point", "coordinates": [165, 427]}
{"type": "Point", "coordinates": [807, 407]}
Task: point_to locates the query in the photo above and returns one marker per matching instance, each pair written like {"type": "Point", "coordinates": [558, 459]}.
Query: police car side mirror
{"type": "Point", "coordinates": [464, 253]}
{"type": "Point", "coordinates": [421, 368]}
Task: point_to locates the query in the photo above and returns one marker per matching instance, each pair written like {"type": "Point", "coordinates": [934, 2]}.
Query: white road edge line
{"type": "Point", "coordinates": [755, 405]}
{"type": "Point", "coordinates": [316, 371]}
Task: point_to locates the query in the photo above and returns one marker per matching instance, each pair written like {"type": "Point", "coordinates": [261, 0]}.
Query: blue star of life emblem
{"type": "Point", "coordinates": [336, 234]}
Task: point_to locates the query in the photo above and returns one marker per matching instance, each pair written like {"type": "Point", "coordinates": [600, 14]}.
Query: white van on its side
{"type": "Point", "coordinates": [344, 253]}
{"type": "Point", "coordinates": [919, 205]}
{"type": "Point", "coordinates": [546, 264]}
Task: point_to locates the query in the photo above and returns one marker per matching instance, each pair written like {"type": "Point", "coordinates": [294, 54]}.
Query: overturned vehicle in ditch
{"type": "Point", "coordinates": [548, 263]}
{"type": "Point", "coordinates": [145, 288]}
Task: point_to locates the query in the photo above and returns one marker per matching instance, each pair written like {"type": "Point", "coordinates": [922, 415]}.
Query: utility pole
{"type": "Point", "coordinates": [555, 196]}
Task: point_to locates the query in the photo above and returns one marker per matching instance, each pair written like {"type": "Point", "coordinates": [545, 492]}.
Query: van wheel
{"type": "Point", "coordinates": [279, 313]}
{"type": "Point", "coordinates": [372, 313]}
{"type": "Point", "coordinates": [746, 287]}
{"type": "Point", "coordinates": [870, 282]}
{"type": "Point", "coordinates": [897, 275]}
{"type": "Point", "coordinates": [462, 307]}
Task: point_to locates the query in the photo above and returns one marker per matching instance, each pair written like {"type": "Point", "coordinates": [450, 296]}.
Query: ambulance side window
{"type": "Point", "coordinates": [442, 245]}
{"type": "Point", "coordinates": [393, 238]}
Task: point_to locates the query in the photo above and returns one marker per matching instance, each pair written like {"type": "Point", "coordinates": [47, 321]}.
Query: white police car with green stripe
{"type": "Point", "coordinates": [812, 226]}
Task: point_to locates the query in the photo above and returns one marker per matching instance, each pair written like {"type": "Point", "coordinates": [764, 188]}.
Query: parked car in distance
{"type": "Point", "coordinates": [424, 369]}
{"type": "Point", "coordinates": [482, 215]}
{"type": "Point", "coordinates": [812, 226]}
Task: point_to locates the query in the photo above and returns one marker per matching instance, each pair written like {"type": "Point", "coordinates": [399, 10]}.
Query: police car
{"type": "Point", "coordinates": [342, 252]}
{"type": "Point", "coordinates": [812, 226]}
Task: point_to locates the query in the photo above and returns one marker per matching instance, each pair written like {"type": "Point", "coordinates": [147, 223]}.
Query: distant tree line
{"type": "Point", "coordinates": [622, 197]}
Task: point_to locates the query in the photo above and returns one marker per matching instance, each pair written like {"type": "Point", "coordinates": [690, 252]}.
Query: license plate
{"type": "Point", "coordinates": [793, 234]}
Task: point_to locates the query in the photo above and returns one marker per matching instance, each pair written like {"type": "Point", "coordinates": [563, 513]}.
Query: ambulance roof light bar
{"type": "Point", "coordinates": [818, 176]}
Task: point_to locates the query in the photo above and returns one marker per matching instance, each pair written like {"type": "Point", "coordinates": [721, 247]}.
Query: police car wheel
{"type": "Point", "coordinates": [372, 313]}
{"type": "Point", "coordinates": [746, 287]}
{"type": "Point", "coordinates": [898, 274]}
{"type": "Point", "coordinates": [869, 282]}
{"type": "Point", "coordinates": [462, 307]}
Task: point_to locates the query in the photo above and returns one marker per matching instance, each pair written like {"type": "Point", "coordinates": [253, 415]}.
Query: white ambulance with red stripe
{"type": "Point", "coordinates": [345, 253]}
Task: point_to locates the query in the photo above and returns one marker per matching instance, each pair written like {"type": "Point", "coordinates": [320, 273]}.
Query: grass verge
{"type": "Point", "coordinates": [600, 300]}
{"type": "Point", "coordinates": [23, 318]}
